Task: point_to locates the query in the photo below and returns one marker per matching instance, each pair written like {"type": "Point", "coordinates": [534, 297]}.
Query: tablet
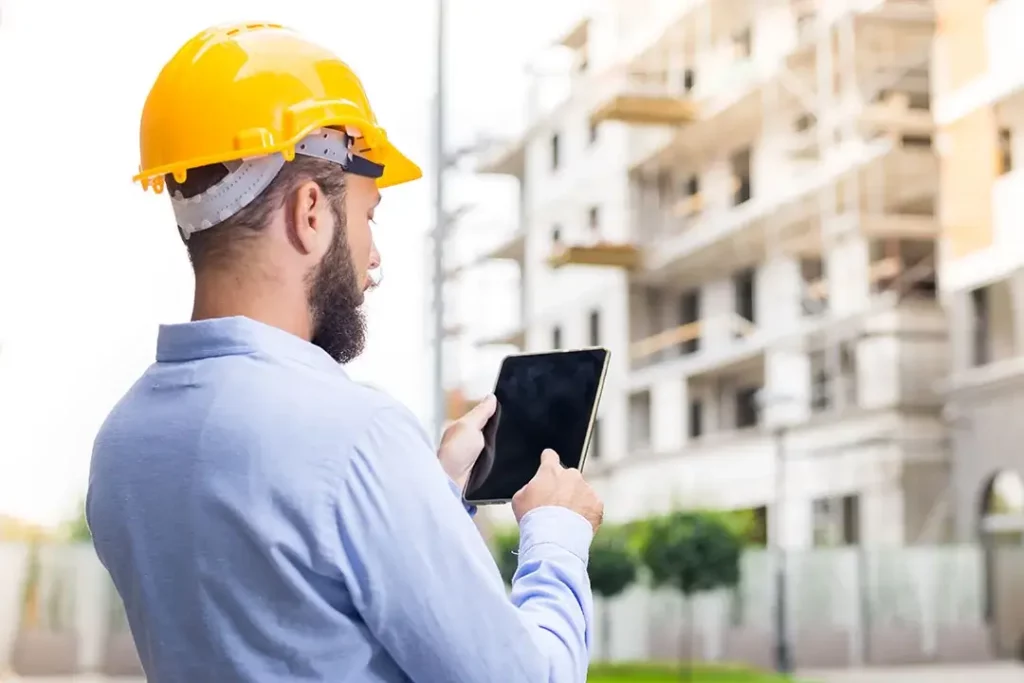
{"type": "Point", "coordinates": [545, 400]}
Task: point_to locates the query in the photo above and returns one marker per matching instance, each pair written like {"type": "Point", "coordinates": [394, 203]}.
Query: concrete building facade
{"type": "Point", "coordinates": [979, 109]}
{"type": "Point", "coordinates": [738, 199]}
{"type": "Point", "coordinates": [979, 106]}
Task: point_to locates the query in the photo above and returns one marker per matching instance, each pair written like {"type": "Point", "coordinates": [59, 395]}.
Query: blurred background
{"type": "Point", "coordinates": [796, 224]}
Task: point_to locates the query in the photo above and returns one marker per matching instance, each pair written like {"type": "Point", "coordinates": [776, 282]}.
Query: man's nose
{"type": "Point", "coordinates": [374, 256]}
{"type": "Point", "coordinates": [373, 271]}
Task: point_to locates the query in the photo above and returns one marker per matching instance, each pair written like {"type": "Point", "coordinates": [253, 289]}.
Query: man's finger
{"type": "Point", "coordinates": [550, 459]}
{"type": "Point", "coordinates": [481, 413]}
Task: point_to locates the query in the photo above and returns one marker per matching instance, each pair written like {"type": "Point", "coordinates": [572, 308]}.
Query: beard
{"type": "Point", "coordinates": [335, 298]}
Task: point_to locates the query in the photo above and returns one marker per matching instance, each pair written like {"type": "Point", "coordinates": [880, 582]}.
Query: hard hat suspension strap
{"type": "Point", "coordinates": [243, 183]}
{"type": "Point", "coordinates": [336, 146]}
{"type": "Point", "coordinates": [247, 178]}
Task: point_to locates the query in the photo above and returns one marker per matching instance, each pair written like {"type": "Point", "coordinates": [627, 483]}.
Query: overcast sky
{"type": "Point", "coordinates": [90, 264]}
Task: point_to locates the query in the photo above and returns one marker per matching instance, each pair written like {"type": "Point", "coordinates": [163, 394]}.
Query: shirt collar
{"type": "Point", "coordinates": [237, 335]}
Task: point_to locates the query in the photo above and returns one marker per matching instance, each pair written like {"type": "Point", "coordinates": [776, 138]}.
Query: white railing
{"type": "Point", "coordinates": [60, 614]}
{"type": "Point", "coordinates": [846, 606]}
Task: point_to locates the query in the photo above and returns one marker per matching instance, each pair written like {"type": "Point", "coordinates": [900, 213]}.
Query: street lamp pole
{"type": "Point", "coordinates": [440, 222]}
{"type": "Point", "coordinates": [783, 660]}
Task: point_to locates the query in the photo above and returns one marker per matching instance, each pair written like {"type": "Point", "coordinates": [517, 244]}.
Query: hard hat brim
{"type": "Point", "coordinates": [398, 168]}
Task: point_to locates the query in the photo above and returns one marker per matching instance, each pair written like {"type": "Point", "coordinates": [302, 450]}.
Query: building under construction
{"type": "Point", "coordinates": [738, 198]}
{"type": "Point", "coordinates": [979, 108]}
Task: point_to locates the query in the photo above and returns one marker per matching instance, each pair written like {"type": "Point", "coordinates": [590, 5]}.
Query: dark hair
{"type": "Point", "coordinates": [223, 243]}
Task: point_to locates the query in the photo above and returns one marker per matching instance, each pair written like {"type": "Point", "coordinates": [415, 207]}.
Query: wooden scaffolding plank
{"type": "Point", "coordinates": [626, 256]}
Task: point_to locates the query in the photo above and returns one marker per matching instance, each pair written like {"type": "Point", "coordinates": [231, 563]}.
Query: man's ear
{"type": "Point", "coordinates": [309, 230]}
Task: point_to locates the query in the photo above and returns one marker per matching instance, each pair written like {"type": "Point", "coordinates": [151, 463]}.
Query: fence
{"type": "Point", "coordinates": [844, 607]}
{"type": "Point", "coordinates": [59, 613]}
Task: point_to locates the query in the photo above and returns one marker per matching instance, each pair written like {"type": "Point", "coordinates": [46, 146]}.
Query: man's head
{"type": "Point", "coordinates": [301, 251]}
{"type": "Point", "coordinates": [279, 230]}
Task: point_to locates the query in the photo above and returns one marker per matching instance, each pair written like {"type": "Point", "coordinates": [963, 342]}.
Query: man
{"type": "Point", "coordinates": [264, 517]}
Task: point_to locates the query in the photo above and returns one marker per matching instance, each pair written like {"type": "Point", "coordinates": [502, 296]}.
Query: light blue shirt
{"type": "Point", "coordinates": [265, 518]}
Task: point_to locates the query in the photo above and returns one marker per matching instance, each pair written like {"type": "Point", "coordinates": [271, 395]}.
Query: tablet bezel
{"type": "Point", "coordinates": [590, 423]}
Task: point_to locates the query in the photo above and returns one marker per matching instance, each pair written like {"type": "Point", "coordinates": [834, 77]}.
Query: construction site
{"type": "Point", "coordinates": [794, 225]}
{"type": "Point", "coordinates": [751, 203]}
{"type": "Point", "coordinates": [739, 200]}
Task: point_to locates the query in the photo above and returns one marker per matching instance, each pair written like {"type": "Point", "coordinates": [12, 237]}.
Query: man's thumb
{"type": "Point", "coordinates": [481, 412]}
{"type": "Point", "coordinates": [550, 459]}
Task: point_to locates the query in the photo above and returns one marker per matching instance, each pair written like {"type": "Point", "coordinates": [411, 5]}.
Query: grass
{"type": "Point", "coordinates": [667, 672]}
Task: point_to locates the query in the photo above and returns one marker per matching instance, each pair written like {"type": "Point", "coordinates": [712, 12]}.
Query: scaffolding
{"type": "Point", "coordinates": [853, 93]}
{"type": "Point", "coordinates": [854, 89]}
{"type": "Point", "coordinates": [856, 74]}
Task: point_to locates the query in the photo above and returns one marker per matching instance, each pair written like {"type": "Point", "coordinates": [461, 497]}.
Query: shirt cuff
{"type": "Point", "coordinates": [471, 509]}
{"type": "Point", "coordinates": [559, 526]}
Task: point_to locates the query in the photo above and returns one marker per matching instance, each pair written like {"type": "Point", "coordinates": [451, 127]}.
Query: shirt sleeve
{"type": "Point", "coordinates": [423, 580]}
{"type": "Point", "coordinates": [471, 509]}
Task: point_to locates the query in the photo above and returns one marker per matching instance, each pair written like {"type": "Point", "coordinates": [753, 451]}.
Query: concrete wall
{"type": "Point", "coordinates": [987, 431]}
{"type": "Point", "coordinates": [891, 426]}
{"type": "Point", "coordinates": [869, 454]}
{"type": "Point", "coordinates": [984, 403]}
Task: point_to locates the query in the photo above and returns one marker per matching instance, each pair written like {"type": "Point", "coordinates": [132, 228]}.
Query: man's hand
{"type": "Point", "coordinates": [556, 485]}
{"type": "Point", "coordinates": [463, 441]}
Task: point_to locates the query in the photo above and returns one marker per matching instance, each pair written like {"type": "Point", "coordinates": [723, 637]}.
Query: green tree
{"type": "Point", "coordinates": [693, 552]}
{"type": "Point", "coordinates": [749, 524]}
{"type": "Point", "coordinates": [505, 545]}
{"type": "Point", "coordinates": [612, 569]}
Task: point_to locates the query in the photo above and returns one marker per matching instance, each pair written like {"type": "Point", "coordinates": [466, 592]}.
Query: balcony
{"type": "Point", "coordinates": [599, 254]}
{"type": "Point", "coordinates": [643, 98]}
{"type": "Point", "coordinates": [711, 344]}
{"type": "Point", "coordinates": [509, 247]}
{"type": "Point", "coordinates": [903, 16]}
{"type": "Point", "coordinates": [644, 349]}
{"type": "Point", "coordinates": [897, 186]}
{"type": "Point", "coordinates": [894, 115]}
{"type": "Point", "coordinates": [881, 271]}
{"type": "Point", "coordinates": [483, 242]}
{"type": "Point", "coordinates": [727, 99]}
{"type": "Point", "coordinates": [508, 158]}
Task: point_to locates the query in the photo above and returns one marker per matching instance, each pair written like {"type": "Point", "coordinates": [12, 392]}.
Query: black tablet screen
{"type": "Point", "coordinates": [545, 400]}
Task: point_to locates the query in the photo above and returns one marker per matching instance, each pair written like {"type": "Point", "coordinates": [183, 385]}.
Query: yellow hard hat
{"type": "Point", "coordinates": [245, 91]}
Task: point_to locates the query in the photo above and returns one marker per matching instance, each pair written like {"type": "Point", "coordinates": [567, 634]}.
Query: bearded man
{"type": "Point", "coordinates": [263, 517]}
